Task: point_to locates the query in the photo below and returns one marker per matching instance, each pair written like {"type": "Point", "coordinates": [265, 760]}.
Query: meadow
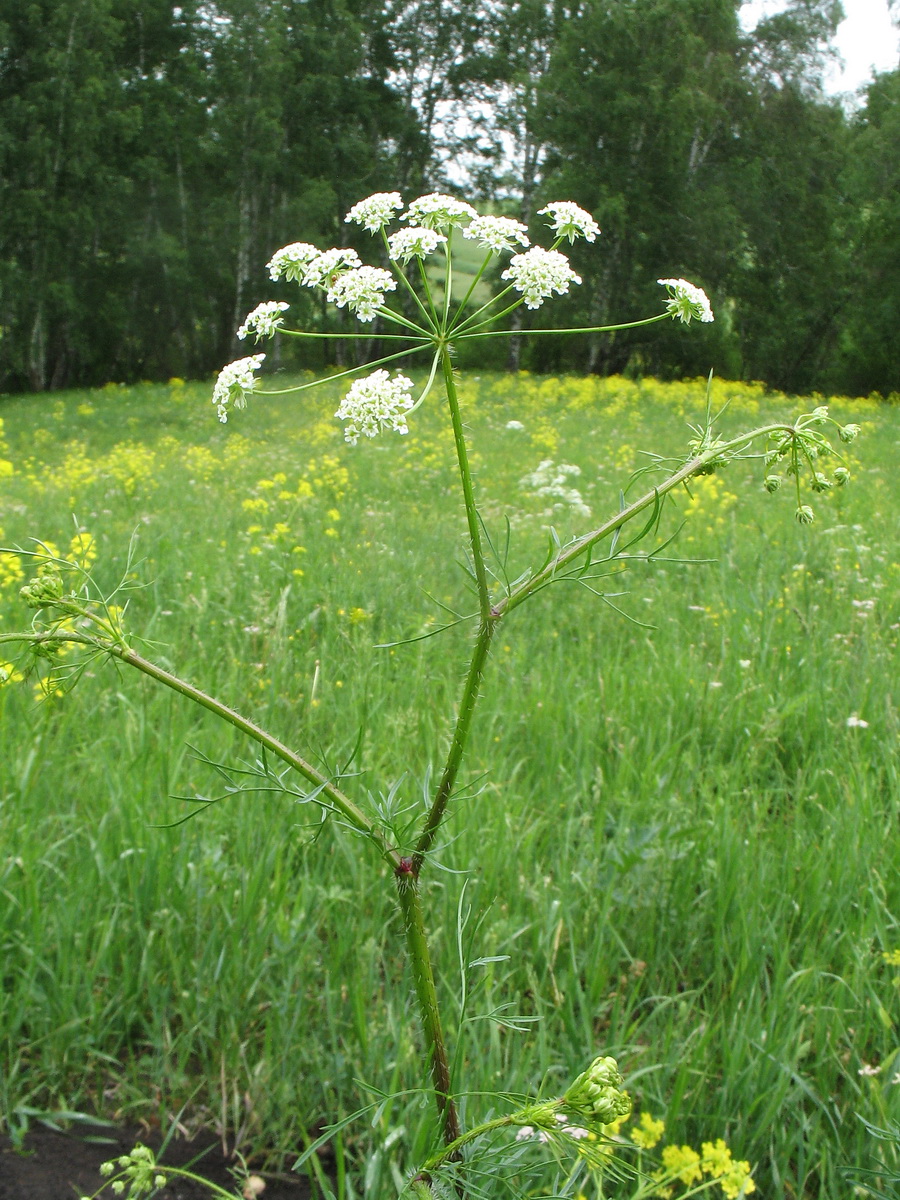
{"type": "Point", "coordinates": [678, 836]}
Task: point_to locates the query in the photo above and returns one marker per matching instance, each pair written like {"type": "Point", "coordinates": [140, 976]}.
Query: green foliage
{"type": "Point", "coordinates": [703, 873]}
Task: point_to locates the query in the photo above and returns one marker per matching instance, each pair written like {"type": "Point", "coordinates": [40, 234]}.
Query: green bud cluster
{"type": "Point", "coordinates": [805, 515]}
{"type": "Point", "coordinates": [596, 1093]}
{"type": "Point", "coordinates": [848, 433]}
{"type": "Point", "coordinates": [45, 589]}
{"type": "Point", "coordinates": [772, 483]}
{"type": "Point", "coordinates": [137, 1171]}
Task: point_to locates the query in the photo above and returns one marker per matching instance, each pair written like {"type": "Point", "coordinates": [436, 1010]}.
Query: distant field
{"type": "Point", "coordinates": [682, 829]}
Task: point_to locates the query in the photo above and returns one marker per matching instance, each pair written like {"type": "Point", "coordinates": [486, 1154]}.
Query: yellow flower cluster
{"type": "Point", "coordinates": [684, 1165]}
{"type": "Point", "coordinates": [734, 1177]}
{"type": "Point", "coordinates": [6, 467]}
{"type": "Point", "coordinates": [129, 465]}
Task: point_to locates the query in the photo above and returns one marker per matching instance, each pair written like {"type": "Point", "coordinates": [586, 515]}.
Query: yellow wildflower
{"type": "Point", "coordinates": [683, 1163]}
{"type": "Point", "coordinates": [737, 1182]}
{"type": "Point", "coordinates": [648, 1133]}
{"type": "Point", "coordinates": [891, 957]}
{"type": "Point", "coordinates": [716, 1158]}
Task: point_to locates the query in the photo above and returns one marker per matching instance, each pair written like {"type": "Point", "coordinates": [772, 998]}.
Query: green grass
{"type": "Point", "coordinates": [689, 857]}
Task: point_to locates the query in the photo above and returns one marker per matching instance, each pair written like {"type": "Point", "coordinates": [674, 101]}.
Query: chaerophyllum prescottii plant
{"type": "Point", "coordinates": [579, 1134]}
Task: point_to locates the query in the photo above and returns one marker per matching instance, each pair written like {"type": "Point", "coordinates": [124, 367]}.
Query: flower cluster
{"type": "Point", "coordinates": [234, 382]}
{"type": "Point", "coordinates": [687, 301]}
{"type": "Point", "coordinates": [291, 261]}
{"type": "Point", "coordinates": [376, 211]}
{"type": "Point", "coordinates": [264, 319]}
{"type": "Point", "coordinates": [137, 1171]}
{"type": "Point", "coordinates": [497, 233]}
{"type": "Point", "coordinates": [361, 290]}
{"type": "Point", "coordinates": [733, 1176]}
{"type": "Point", "coordinates": [414, 242]}
{"type": "Point", "coordinates": [375, 403]}
{"type": "Point", "coordinates": [570, 221]}
{"type": "Point", "coordinates": [322, 270]}
{"type": "Point", "coordinates": [437, 211]}
{"type": "Point", "coordinates": [538, 273]}
{"type": "Point", "coordinates": [596, 1094]}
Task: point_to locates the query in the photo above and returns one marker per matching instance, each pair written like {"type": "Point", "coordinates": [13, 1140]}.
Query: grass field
{"type": "Point", "coordinates": [683, 832]}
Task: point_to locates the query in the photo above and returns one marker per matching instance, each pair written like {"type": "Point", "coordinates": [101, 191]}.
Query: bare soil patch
{"type": "Point", "coordinates": [64, 1166]}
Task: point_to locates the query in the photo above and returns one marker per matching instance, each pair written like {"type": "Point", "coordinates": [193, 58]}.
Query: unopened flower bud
{"type": "Point", "coordinates": [805, 515]}
{"type": "Point", "coordinates": [596, 1092]}
{"type": "Point", "coordinates": [159, 1181]}
{"type": "Point", "coordinates": [820, 414]}
{"type": "Point", "coordinates": [848, 433]}
{"type": "Point", "coordinates": [42, 590]}
{"type": "Point", "coordinates": [841, 476]}
{"type": "Point", "coordinates": [772, 483]}
{"type": "Point", "coordinates": [821, 483]}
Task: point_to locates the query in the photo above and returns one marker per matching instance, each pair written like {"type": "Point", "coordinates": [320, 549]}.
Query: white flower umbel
{"type": "Point", "coordinates": [687, 301]}
{"type": "Point", "coordinates": [552, 481]}
{"type": "Point", "coordinates": [375, 403]}
{"type": "Point", "coordinates": [437, 211]}
{"type": "Point", "coordinates": [264, 319]}
{"type": "Point", "coordinates": [538, 273]}
{"type": "Point", "coordinates": [234, 382]}
{"type": "Point", "coordinates": [415, 242]}
{"type": "Point", "coordinates": [325, 267]}
{"type": "Point", "coordinates": [291, 261]}
{"type": "Point", "coordinates": [570, 221]}
{"type": "Point", "coordinates": [376, 211]}
{"type": "Point", "coordinates": [497, 233]}
{"type": "Point", "coordinates": [361, 290]}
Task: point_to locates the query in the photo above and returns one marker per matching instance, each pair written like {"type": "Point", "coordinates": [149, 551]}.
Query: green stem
{"type": "Point", "coordinates": [426, 994]}
{"type": "Point", "coordinates": [472, 286]}
{"type": "Point", "coordinates": [426, 286]}
{"type": "Point", "coordinates": [342, 803]}
{"type": "Point", "coordinates": [303, 387]}
{"type": "Point", "coordinates": [465, 474]}
{"type": "Point", "coordinates": [467, 704]}
{"type": "Point", "coordinates": [451, 1151]}
{"type": "Point", "coordinates": [384, 311]}
{"type": "Point", "coordinates": [467, 329]}
{"type": "Point", "coordinates": [353, 337]}
{"type": "Point", "coordinates": [401, 275]}
{"type": "Point", "coordinates": [593, 329]}
{"type": "Point", "coordinates": [487, 304]}
{"type": "Point", "coordinates": [448, 278]}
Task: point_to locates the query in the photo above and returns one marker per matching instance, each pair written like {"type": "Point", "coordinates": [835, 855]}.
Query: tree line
{"type": "Point", "coordinates": [153, 156]}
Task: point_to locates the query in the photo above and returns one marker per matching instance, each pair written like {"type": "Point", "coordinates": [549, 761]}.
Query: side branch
{"type": "Point", "coordinates": [342, 803]}
{"type": "Point", "coordinates": [583, 544]}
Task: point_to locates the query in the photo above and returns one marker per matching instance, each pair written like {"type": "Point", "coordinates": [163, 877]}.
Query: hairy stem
{"type": "Point", "coordinates": [458, 744]}
{"type": "Point", "coordinates": [426, 994]}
